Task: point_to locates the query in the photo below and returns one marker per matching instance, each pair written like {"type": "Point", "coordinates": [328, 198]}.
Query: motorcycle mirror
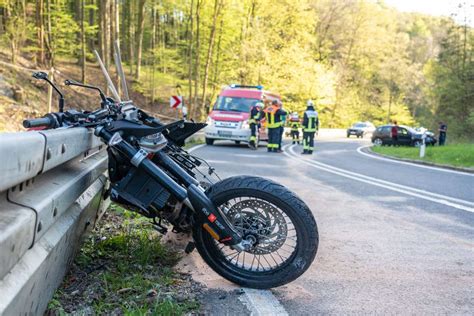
{"type": "Point", "coordinates": [70, 82]}
{"type": "Point", "coordinates": [40, 75]}
{"type": "Point", "coordinates": [44, 76]}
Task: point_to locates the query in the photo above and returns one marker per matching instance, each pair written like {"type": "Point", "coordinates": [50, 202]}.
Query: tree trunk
{"type": "Point", "coordinates": [83, 42]}
{"type": "Point", "coordinates": [49, 42]}
{"type": "Point", "coordinates": [40, 58]}
{"type": "Point", "coordinates": [131, 36]}
{"type": "Point", "coordinates": [190, 59]}
{"type": "Point", "coordinates": [198, 47]}
{"type": "Point", "coordinates": [140, 29]}
{"type": "Point", "coordinates": [215, 77]}
{"type": "Point", "coordinates": [153, 52]}
{"type": "Point", "coordinates": [217, 8]}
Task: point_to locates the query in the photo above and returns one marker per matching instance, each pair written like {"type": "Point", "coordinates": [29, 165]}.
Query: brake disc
{"type": "Point", "coordinates": [260, 221]}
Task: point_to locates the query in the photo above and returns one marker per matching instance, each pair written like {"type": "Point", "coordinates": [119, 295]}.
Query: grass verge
{"type": "Point", "coordinates": [458, 155]}
{"type": "Point", "coordinates": [123, 269]}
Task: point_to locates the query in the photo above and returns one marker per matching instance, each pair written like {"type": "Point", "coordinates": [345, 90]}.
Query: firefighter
{"type": "Point", "coordinates": [310, 126]}
{"type": "Point", "coordinates": [256, 114]}
{"type": "Point", "coordinates": [295, 128]}
{"type": "Point", "coordinates": [282, 126]}
{"type": "Point", "coordinates": [273, 115]}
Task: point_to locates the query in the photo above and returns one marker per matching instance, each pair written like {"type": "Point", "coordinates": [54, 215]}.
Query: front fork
{"type": "Point", "coordinates": [211, 217]}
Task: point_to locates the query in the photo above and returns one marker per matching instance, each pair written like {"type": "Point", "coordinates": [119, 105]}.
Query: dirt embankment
{"type": "Point", "coordinates": [22, 96]}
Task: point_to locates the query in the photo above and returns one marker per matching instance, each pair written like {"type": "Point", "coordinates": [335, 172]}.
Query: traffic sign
{"type": "Point", "coordinates": [176, 101]}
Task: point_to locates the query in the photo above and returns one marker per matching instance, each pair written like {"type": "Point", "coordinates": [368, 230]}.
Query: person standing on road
{"type": "Point", "coordinates": [273, 115]}
{"type": "Point", "coordinates": [256, 114]}
{"type": "Point", "coordinates": [394, 133]}
{"type": "Point", "coordinates": [295, 126]}
{"type": "Point", "coordinates": [310, 126]}
{"type": "Point", "coordinates": [282, 127]}
{"type": "Point", "coordinates": [443, 128]}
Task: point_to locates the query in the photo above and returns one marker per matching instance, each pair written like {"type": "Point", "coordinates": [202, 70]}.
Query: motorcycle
{"type": "Point", "coordinates": [250, 230]}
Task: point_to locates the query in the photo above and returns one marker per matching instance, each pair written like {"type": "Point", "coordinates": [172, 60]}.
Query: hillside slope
{"type": "Point", "coordinates": [22, 96]}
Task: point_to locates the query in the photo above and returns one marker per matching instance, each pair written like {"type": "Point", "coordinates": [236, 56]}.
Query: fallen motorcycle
{"type": "Point", "coordinates": [250, 230]}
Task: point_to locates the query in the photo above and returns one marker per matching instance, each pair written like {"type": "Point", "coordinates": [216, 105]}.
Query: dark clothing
{"type": "Point", "coordinates": [295, 136]}
{"type": "Point", "coordinates": [394, 133]}
{"type": "Point", "coordinates": [308, 142]}
{"type": "Point", "coordinates": [310, 120]}
{"type": "Point", "coordinates": [442, 134]}
{"type": "Point", "coordinates": [280, 136]}
{"type": "Point", "coordinates": [255, 115]}
{"type": "Point", "coordinates": [253, 132]}
{"type": "Point", "coordinates": [273, 139]}
{"type": "Point", "coordinates": [273, 116]}
{"type": "Point", "coordinates": [254, 119]}
{"type": "Point", "coordinates": [310, 126]}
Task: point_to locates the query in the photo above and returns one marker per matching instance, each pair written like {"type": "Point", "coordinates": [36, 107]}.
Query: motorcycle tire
{"type": "Point", "coordinates": [267, 196]}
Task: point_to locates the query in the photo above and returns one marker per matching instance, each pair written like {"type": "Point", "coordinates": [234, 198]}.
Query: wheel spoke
{"type": "Point", "coordinates": [264, 224]}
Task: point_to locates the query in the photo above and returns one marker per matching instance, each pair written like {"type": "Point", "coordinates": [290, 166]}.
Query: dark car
{"type": "Point", "coordinates": [407, 136]}
{"type": "Point", "coordinates": [359, 129]}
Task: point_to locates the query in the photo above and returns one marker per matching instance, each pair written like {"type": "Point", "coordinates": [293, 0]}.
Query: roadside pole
{"type": "Point", "coordinates": [50, 89]}
{"type": "Point", "coordinates": [423, 145]}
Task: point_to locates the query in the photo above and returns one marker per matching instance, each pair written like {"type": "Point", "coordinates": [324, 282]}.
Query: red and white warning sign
{"type": "Point", "coordinates": [176, 101]}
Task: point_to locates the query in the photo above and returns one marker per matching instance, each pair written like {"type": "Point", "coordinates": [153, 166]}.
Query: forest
{"type": "Point", "coordinates": [357, 60]}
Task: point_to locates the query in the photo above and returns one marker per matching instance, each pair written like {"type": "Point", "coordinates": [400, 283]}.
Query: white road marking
{"type": "Point", "coordinates": [437, 198]}
{"type": "Point", "coordinates": [259, 302]}
{"type": "Point", "coordinates": [262, 303]}
{"type": "Point", "coordinates": [359, 150]}
{"type": "Point", "coordinates": [190, 150]}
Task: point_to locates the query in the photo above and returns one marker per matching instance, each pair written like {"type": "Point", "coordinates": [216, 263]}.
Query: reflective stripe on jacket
{"type": "Point", "coordinates": [310, 121]}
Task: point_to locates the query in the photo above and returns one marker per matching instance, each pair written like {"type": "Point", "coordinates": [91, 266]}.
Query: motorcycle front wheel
{"type": "Point", "coordinates": [280, 225]}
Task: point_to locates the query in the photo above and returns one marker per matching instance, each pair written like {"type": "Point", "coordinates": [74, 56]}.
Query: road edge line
{"type": "Point", "coordinates": [415, 163]}
{"type": "Point", "coordinates": [262, 303]}
{"type": "Point", "coordinates": [190, 150]}
{"type": "Point", "coordinates": [375, 183]}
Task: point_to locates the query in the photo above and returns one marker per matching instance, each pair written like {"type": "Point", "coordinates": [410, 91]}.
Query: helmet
{"type": "Point", "coordinates": [259, 105]}
{"type": "Point", "coordinates": [309, 103]}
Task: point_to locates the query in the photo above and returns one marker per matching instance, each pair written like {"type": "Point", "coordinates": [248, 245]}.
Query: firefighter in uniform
{"type": "Point", "coordinates": [310, 126]}
{"type": "Point", "coordinates": [295, 128]}
{"type": "Point", "coordinates": [282, 127]}
{"type": "Point", "coordinates": [256, 114]}
{"type": "Point", "coordinates": [273, 115]}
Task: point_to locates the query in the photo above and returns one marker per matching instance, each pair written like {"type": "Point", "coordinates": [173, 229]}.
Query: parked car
{"type": "Point", "coordinates": [360, 129]}
{"type": "Point", "coordinates": [407, 136]}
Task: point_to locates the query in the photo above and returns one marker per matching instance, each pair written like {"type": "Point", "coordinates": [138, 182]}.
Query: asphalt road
{"type": "Point", "coordinates": [394, 238]}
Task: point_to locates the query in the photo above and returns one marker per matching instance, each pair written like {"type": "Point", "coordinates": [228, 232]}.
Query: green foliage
{"type": "Point", "coordinates": [358, 60]}
{"type": "Point", "coordinates": [125, 269]}
{"type": "Point", "coordinates": [460, 155]}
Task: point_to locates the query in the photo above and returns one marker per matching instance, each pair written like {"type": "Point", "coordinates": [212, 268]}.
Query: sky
{"type": "Point", "coordinates": [436, 7]}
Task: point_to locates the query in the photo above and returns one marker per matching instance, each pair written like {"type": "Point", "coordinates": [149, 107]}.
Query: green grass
{"type": "Point", "coordinates": [122, 268]}
{"type": "Point", "coordinates": [192, 143]}
{"type": "Point", "coordinates": [458, 155]}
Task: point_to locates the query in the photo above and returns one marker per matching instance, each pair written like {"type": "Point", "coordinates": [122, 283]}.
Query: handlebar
{"type": "Point", "coordinates": [38, 122]}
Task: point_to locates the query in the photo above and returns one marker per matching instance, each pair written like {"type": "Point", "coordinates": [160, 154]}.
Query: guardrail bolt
{"type": "Point", "coordinates": [63, 148]}
{"type": "Point", "coordinates": [48, 154]}
{"type": "Point", "coordinates": [55, 212]}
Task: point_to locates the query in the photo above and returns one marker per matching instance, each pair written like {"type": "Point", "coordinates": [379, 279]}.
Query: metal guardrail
{"type": "Point", "coordinates": [51, 192]}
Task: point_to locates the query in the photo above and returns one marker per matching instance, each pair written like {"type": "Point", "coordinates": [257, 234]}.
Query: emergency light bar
{"type": "Point", "coordinates": [245, 86]}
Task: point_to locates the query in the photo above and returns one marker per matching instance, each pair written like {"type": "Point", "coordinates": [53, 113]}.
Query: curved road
{"type": "Point", "coordinates": [394, 238]}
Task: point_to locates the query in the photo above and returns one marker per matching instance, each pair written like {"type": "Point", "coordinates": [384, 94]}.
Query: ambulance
{"type": "Point", "coordinates": [228, 119]}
